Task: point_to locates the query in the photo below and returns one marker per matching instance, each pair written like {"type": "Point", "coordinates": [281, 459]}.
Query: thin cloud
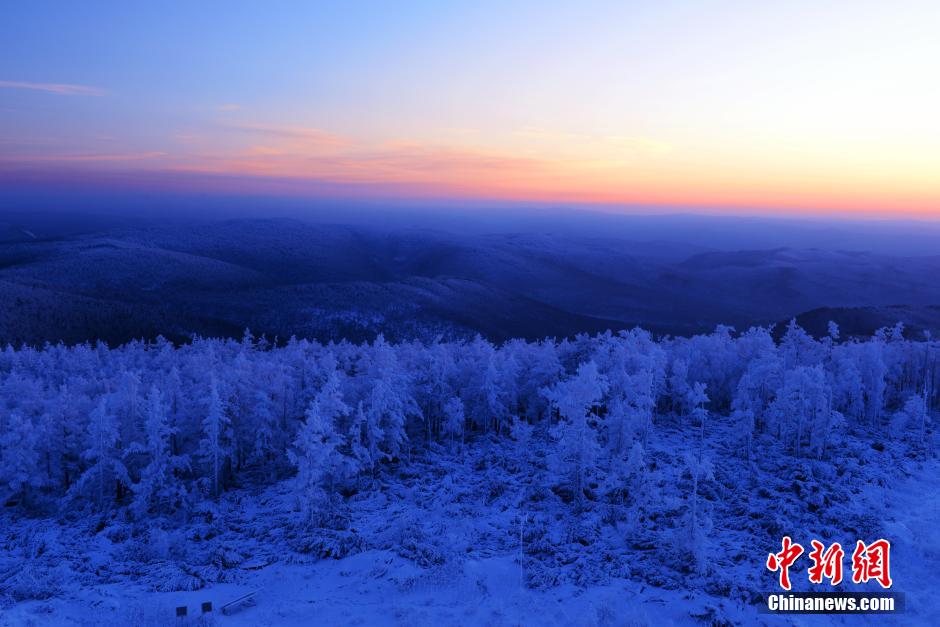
{"type": "Point", "coordinates": [231, 106]}
{"type": "Point", "coordinates": [132, 156]}
{"type": "Point", "coordinates": [60, 89]}
{"type": "Point", "coordinates": [307, 134]}
{"type": "Point", "coordinates": [391, 162]}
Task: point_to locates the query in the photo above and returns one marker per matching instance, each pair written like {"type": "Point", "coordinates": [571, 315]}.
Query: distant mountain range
{"type": "Point", "coordinates": [285, 277]}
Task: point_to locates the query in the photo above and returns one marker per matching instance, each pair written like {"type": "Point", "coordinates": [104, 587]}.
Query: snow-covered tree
{"type": "Point", "coordinates": [364, 440]}
{"type": "Point", "coordinates": [630, 409]}
{"type": "Point", "coordinates": [68, 413]}
{"type": "Point", "coordinates": [697, 398]}
{"type": "Point", "coordinates": [848, 389]}
{"type": "Point", "coordinates": [631, 485]}
{"type": "Point", "coordinates": [316, 453]}
{"type": "Point", "coordinates": [913, 416]}
{"type": "Point", "coordinates": [19, 461]}
{"type": "Point", "coordinates": [266, 428]}
{"type": "Point", "coordinates": [578, 447]}
{"type": "Point", "coordinates": [700, 469]}
{"type": "Point", "coordinates": [159, 487]}
{"type": "Point", "coordinates": [454, 419]}
{"type": "Point", "coordinates": [803, 410]}
{"type": "Point", "coordinates": [798, 348]}
{"type": "Point", "coordinates": [106, 470]}
{"type": "Point", "coordinates": [214, 448]}
{"type": "Point", "coordinates": [389, 403]}
{"type": "Point", "coordinates": [756, 389]}
{"type": "Point", "coordinates": [872, 367]}
{"type": "Point", "coordinates": [679, 387]}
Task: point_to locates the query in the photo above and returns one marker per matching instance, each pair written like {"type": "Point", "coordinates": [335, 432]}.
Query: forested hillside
{"type": "Point", "coordinates": [333, 282]}
{"type": "Point", "coordinates": [159, 428]}
{"type": "Point", "coordinates": [635, 447]}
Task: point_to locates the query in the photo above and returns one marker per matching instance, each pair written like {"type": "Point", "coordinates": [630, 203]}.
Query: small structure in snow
{"type": "Point", "coordinates": [235, 604]}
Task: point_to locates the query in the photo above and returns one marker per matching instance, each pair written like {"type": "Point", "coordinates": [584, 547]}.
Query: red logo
{"type": "Point", "coordinates": [783, 560]}
{"type": "Point", "coordinates": [826, 564]}
{"type": "Point", "coordinates": [869, 562]}
{"type": "Point", "coordinates": [872, 562]}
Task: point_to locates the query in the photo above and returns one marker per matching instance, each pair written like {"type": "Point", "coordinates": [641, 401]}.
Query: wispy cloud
{"type": "Point", "coordinates": [87, 158]}
{"type": "Point", "coordinates": [391, 162]}
{"type": "Point", "coordinates": [230, 106]}
{"type": "Point", "coordinates": [60, 89]}
{"type": "Point", "coordinates": [301, 133]}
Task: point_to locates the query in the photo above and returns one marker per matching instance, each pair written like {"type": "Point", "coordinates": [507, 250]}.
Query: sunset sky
{"type": "Point", "coordinates": [801, 107]}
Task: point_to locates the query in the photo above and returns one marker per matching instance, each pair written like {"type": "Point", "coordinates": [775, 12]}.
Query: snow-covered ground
{"type": "Point", "coordinates": [381, 588]}
{"type": "Point", "coordinates": [606, 480]}
{"type": "Point", "coordinates": [914, 530]}
{"type": "Point", "coordinates": [442, 547]}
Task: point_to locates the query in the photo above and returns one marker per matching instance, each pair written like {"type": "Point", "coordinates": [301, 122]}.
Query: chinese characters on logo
{"type": "Point", "coordinates": [869, 562]}
{"type": "Point", "coordinates": [826, 564]}
{"type": "Point", "coordinates": [872, 562]}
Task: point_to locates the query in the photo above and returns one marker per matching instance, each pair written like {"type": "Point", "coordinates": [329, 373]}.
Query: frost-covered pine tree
{"type": "Point", "coordinates": [454, 418]}
{"type": "Point", "coordinates": [803, 410]}
{"type": "Point", "coordinates": [913, 416]}
{"type": "Point", "coordinates": [67, 411]}
{"type": "Point", "coordinates": [701, 470]}
{"type": "Point", "coordinates": [385, 424]}
{"type": "Point", "coordinates": [578, 447]}
{"type": "Point", "coordinates": [497, 391]}
{"type": "Point", "coordinates": [106, 470]}
{"type": "Point", "coordinates": [159, 487]}
{"type": "Point", "coordinates": [56, 430]}
{"type": "Point", "coordinates": [316, 452]}
{"type": "Point", "coordinates": [266, 428]}
{"type": "Point", "coordinates": [872, 367]}
{"type": "Point", "coordinates": [696, 399]}
{"type": "Point", "coordinates": [126, 406]}
{"type": "Point", "coordinates": [19, 462]}
{"type": "Point", "coordinates": [213, 448]}
{"type": "Point", "coordinates": [431, 368]}
{"type": "Point", "coordinates": [389, 403]}
{"type": "Point", "coordinates": [630, 411]}
{"type": "Point", "coordinates": [797, 347]}
{"type": "Point", "coordinates": [755, 391]}
{"type": "Point", "coordinates": [744, 420]}
{"type": "Point", "coordinates": [848, 390]}
{"type": "Point", "coordinates": [364, 440]}
{"type": "Point", "coordinates": [645, 384]}
{"type": "Point", "coordinates": [538, 367]}
{"type": "Point", "coordinates": [240, 405]}
{"type": "Point", "coordinates": [174, 406]}
{"type": "Point", "coordinates": [679, 386]}
{"type": "Point", "coordinates": [628, 482]}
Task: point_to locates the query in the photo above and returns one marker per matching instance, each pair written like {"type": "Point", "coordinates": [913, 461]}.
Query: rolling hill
{"type": "Point", "coordinates": [285, 277]}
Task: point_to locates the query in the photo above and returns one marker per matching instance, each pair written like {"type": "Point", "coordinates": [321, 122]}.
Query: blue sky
{"type": "Point", "coordinates": [801, 107]}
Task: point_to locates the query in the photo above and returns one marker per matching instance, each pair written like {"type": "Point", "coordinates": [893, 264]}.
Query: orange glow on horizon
{"type": "Point", "coordinates": [655, 174]}
{"type": "Point", "coordinates": [799, 107]}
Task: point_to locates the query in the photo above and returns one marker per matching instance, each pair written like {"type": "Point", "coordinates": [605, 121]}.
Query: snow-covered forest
{"type": "Point", "coordinates": [655, 453]}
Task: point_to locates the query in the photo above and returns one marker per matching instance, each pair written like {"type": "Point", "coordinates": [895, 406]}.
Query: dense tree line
{"type": "Point", "coordinates": [158, 429]}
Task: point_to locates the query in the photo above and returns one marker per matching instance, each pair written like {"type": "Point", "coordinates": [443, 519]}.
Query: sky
{"type": "Point", "coordinates": [798, 107]}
